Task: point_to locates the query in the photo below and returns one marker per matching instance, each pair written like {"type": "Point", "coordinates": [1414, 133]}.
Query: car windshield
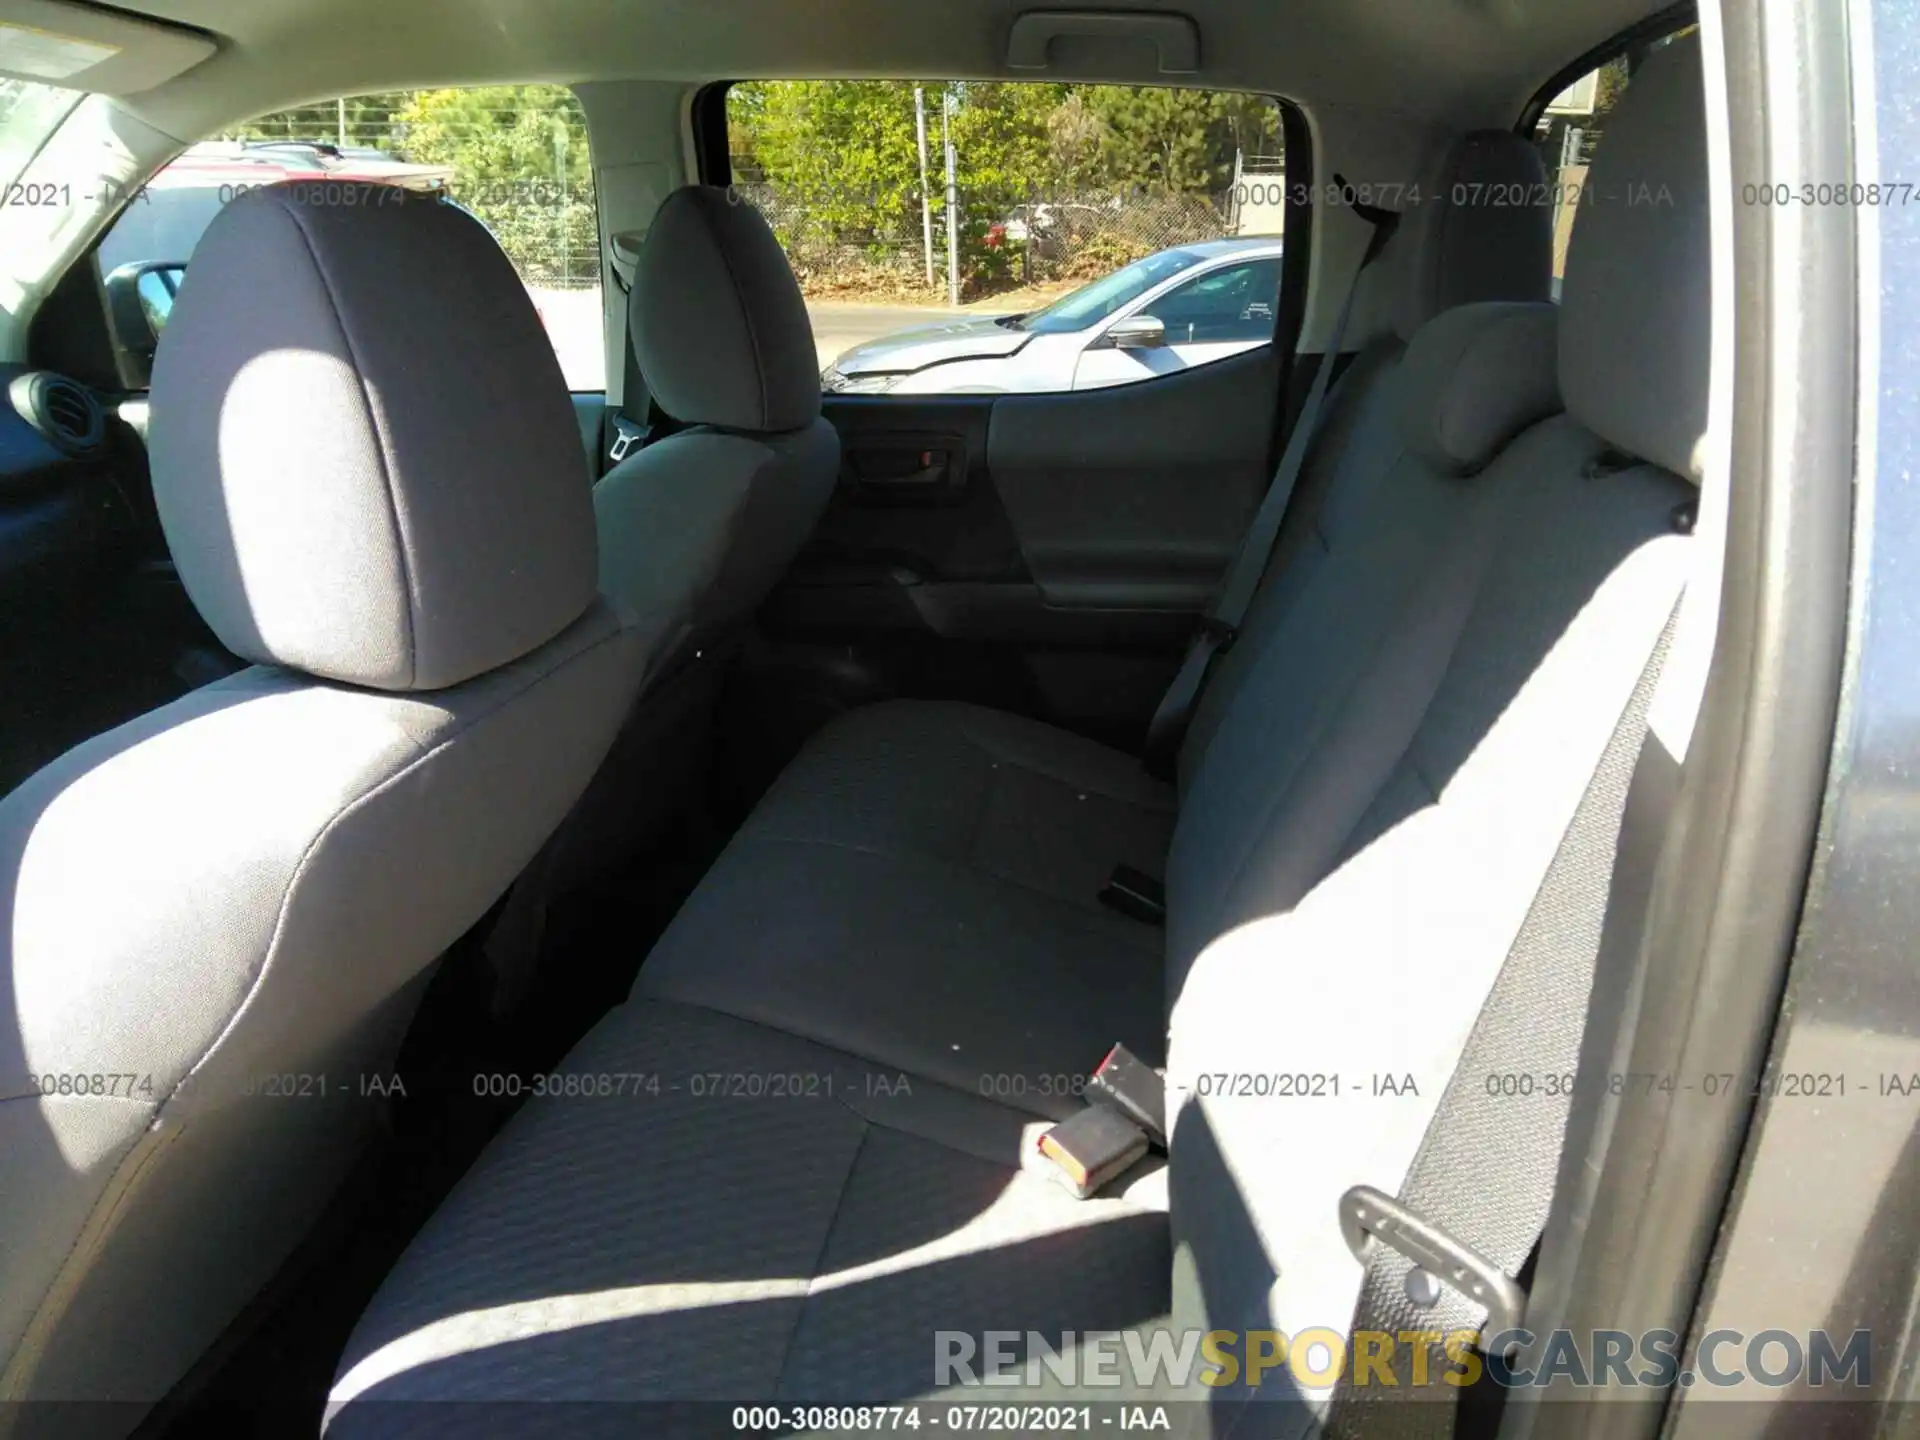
{"type": "Point", "coordinates": [1092, 303]}
{"type": "Point", "coordinates": [29, 113]}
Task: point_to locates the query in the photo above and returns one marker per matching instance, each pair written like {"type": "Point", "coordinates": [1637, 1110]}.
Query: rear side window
{"type": "Point", "coordinates": [514, 155]}
{"type": "Point", "coordinates": [1017, 237]}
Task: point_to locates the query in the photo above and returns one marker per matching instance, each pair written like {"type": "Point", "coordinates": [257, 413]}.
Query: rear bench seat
{"type": "Point", "coordinates": [945, 860]}
{"type": "Point", "coordinates": [837, 1058]}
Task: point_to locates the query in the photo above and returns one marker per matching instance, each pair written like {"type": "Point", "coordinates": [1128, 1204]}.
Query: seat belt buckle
{"type": "Point", "coordinates": [1135, 894]}
{"type": "Point", "coordinates": [1367, 1218]}
{"type": "Point", "coordinates": [1091, 1148]}
{"type": "Point", "coordinates": [1126, 1083]}
{"type": "Point", "coordinates": [627, 437]}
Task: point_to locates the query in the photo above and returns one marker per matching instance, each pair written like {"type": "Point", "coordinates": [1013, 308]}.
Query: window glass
{"type": "Point", "coordinates": [1232, 303]}
{"type": "Point", "coordinates": [1099, 299]}
{"type": "Point", "coordinates": [515, 156]}
{"type": "Point", "coordinates": [985, 237]}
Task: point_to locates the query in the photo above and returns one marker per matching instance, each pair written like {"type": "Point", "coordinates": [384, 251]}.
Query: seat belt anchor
{"type": "Point", "coordinates": [1368, 1217]}
{"type": "Point", "coordinates": [626, 437]}
{"type": "Point", "coordinates": [1218, 633]}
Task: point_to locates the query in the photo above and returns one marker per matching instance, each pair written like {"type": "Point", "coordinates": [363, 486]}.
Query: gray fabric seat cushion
{"type": "Point", "coordinates": [770, 1220]}
{"type": "Point", "coordinates": [920, 887]}
{"type": "Point", "coordinates": [975, 981]}
{"type": "Point", "coordinates": [1010, 797]}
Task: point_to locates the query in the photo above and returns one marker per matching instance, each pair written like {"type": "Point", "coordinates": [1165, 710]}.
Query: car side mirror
{"type": "Point", "coordinates": [139, 300]}
{"type": "Point", "coordinates": [1137, 332]}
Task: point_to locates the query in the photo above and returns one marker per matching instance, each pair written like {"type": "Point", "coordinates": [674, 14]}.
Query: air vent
{"type": "Point", "coordinates": [62, 410]}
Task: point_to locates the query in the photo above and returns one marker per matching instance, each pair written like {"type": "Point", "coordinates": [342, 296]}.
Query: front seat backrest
{"type": "Point", "coordinates": [702, 523]}
{"type": "Point", "coordinates": [219, 917]}
{"type": "Point", "coordinates": [697, 527]}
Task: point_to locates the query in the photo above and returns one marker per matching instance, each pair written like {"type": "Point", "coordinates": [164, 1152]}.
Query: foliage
{"type": "Point", "coordinates": [518, 153]}
{"type": "Point", "coordinates": [834, 164]}
{"type": "Point", "coordinates": [521, 163]}
{"type": "Point", "coordinates": [1102, 254]}
{"type": "Point", "coordinates": [843, 160]}
{"type": "Point", "coordinates": [1177, 141]}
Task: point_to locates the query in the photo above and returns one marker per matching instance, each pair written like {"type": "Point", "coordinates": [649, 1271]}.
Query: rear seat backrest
{"type": "Point", "coordinates": [1343, 668]}
{"type": "Point", "coordinates": [1455, 247]}
{"type": "Point", "coordinates": [1574, 566]}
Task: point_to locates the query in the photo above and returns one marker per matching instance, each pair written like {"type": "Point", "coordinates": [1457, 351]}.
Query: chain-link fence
{"type": "Point", "coordinates": [1070, 236]}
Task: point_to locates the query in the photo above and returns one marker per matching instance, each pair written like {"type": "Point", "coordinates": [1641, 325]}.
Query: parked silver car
{"type": "Point", "coordinates": [1173, 310]}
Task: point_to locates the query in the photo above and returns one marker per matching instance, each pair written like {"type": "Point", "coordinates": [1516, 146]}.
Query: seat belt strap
{"type": "Point", "coordinates": [1444, 1255]}
{"type": "Point", "coordinates": [1221, 622]}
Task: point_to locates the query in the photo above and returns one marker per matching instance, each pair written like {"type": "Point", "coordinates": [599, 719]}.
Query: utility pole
{"type": "Point", "coordinates": [926, 197]}
{"type": "Point", "coordinates": [342, 112]}
{"type": "Point", "coordinates": [953, 200]}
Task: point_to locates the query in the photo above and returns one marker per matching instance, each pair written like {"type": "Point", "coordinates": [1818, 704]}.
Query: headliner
{"type": "Point", "coordinates": [1455, 62]}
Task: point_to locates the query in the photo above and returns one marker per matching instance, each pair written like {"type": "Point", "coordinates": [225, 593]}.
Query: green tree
{"type": "Point", "coordinates": [518, 156]}
{"type": "Point", "coordinates": [520, 162]}
{"type": "Point", "coordinates": [840, 154]}
{"type": "Point", "coordinates": [841, 167]}
{"type": "Point", "coordinates": [369, 122]}
{"type": "Point", "coordinates": [1176, 141]}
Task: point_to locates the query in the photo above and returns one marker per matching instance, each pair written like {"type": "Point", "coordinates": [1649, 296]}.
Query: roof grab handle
{"type": "Point", "coordinates": [1175, 37]}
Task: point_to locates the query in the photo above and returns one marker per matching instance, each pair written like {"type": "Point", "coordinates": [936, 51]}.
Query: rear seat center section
{"type": "Point", "coordinates": [900, 970]}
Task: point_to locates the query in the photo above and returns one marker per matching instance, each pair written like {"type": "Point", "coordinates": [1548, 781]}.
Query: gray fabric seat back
{"type": "Point", "coordinates": [1387, 478]}
{"type": "Point", "coordinates": [1354, 939]}
{"type": "Point", "coordinates": [1455, 247]}
{"type": "Point", "coordinates": [700, 524]}
{"type": "Point", "coordinates": [218, 918]}
{"type": "Point", "coordinates": [697, 527]}
{"type": "Point", "coordinates": [1331, 685]}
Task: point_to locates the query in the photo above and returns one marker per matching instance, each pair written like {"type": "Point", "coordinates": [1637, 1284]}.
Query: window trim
{"type": "Point", "coordinates": [707, 115]}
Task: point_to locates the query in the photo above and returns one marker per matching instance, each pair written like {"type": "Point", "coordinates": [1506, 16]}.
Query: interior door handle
{"type": "Point", "coordinates": [907, 469]}
{"type": "Point", "coordinates": [914, 467]}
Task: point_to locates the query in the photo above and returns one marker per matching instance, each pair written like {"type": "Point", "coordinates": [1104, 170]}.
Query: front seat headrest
{"type": "Point", "coordinates": [1477, 231]}
{"type": "Point", "coordinates": [718, 322]}
{"type": "Point", "coordinates": [1635, 324]}
{"type": "Point", "coordinates": [363, 452]}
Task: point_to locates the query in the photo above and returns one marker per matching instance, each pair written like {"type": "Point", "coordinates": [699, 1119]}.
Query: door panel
{"type": "Point", "coordinates": [1137, 498]}
{"type": "Point", "coordinates": [1045, 554]}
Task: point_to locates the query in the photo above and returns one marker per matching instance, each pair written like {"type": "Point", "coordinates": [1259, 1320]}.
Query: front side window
{"type": "Point", "coordinates": [987, 237]}
{"type": "Point", "coordinates": [1232, 303]}
{"type": "Point", "coordinates": [1081, 308]}
{"type": "Point", "coordinates": [515, 156]}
